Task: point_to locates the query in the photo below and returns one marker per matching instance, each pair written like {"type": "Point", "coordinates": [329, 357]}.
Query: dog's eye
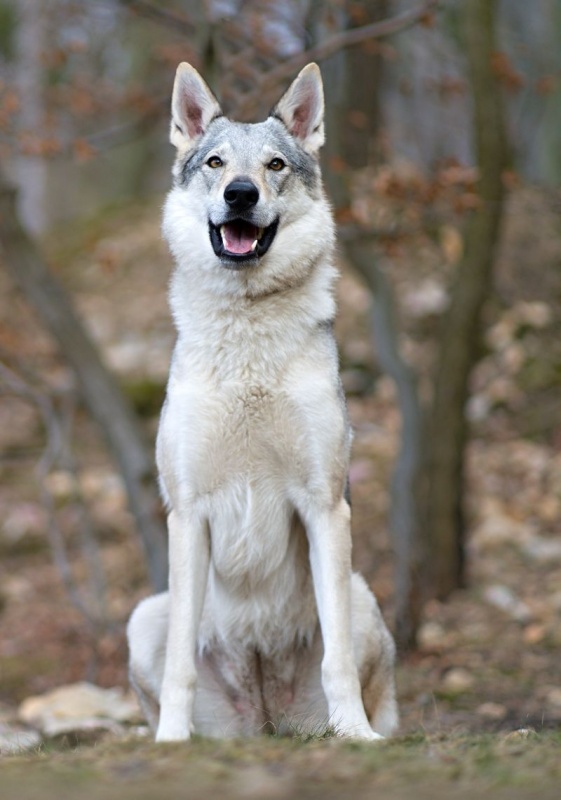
{"type": "Point", "coordinates": [277, 164]}
{"type": "Point", "coordinates": [214, 162]}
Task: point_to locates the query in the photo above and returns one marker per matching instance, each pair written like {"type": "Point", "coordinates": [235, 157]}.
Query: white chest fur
{"type": "Point", "coordinates": [252, 417]}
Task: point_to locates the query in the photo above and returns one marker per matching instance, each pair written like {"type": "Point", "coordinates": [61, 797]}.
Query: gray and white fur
{"type": "Point", "coordinates": [264, 626]}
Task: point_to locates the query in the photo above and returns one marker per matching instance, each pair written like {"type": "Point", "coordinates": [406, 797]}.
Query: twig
{"type": "Point", "coordinates": [51, 455]}
{"type": "Point", "coordinates": [99, 389]}
{"type": "Point", "coordinates": [162, 16]}
{"type": "Point", "coordinates": [244, 103]}
{"type": "Point", "coordinates": [85, 525]}
{"type": "Point", "coordinates": [352, 232]}
{"type": "Point", "coordinates": [376, 30]}
{"type": "Point", "coordinates": [404, 522]}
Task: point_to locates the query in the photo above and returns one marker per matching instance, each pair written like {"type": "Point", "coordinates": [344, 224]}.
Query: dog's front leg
{"type": "Point", "coordinates": [189, 561]}
{"type": "Point", "coordinates": [330, 556]}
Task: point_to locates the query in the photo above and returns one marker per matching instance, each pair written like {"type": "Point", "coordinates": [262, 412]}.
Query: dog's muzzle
{"type": "Point", "coordinates": [238, 241]}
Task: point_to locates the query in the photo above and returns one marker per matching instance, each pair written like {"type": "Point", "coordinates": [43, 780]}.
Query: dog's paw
{"type": "Point", "coordinates": [362, 733]}
{"type": "Point", "coordinates": [370, 736]}
{"type": "Point", "coordinates": [173, 730]}
{"type": "Point", "coordinates": [172, 736]}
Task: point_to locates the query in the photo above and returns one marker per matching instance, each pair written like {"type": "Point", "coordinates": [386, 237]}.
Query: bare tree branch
{"type": "Point", "coordinates": [100, 391]}
{"type": "Point", "coordinates": [376, 30]}
{"type": "Point", "coordinates": [163, 16]}
{"type": "Point", "coordinates": [55, 445]}
{"type": "Point", "coordinates": [404, 517]}
{"type": "Point", "coordinates": [328, 47]}
{"type": "Point", "coordinates": [243, 103]}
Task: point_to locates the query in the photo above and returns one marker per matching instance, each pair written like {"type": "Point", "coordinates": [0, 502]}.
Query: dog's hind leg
{"type": "Point", "coordinates": [146, 634]}
{"type": "Point", "coordinates": [373, 651]}
{"type": "Point", "coordinates": [148, 704]}
{"type": "Point", "coordinates": [215, 713]}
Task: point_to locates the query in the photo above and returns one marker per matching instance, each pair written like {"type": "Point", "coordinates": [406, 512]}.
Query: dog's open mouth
{"type": "Point", "coordinates": [239, 243]}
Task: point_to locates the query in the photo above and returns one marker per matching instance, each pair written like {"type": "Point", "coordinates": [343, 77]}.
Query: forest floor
{"type": "Point", "coordinates": [414, 768]}
{"type": "Point", "coordinates": [487, 663]}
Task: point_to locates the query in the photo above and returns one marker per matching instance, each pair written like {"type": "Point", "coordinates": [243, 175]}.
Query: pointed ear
{"type": "Point", "coordinates": [193, 107]}
{"type": "Point", "coordinates": [301, 108]}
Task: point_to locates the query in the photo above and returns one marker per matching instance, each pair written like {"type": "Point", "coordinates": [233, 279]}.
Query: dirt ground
{"type": "Point", "coordinates": [488, 659]}
{"type": "Point", "coordinates": [414, 768]}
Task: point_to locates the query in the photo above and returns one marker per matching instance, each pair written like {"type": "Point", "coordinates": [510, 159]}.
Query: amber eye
{"type": "Point", "coordinates": [214, 162]}
{"type": "Point", "coordinates": [277, 164]}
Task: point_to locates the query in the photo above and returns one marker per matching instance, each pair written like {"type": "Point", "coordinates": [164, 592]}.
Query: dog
{"type": "Point", "coordinates": [265, 628]}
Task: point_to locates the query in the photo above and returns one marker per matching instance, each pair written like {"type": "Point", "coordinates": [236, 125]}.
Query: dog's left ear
{"type": "Point", "coordinates": [301, 108]}
{"type": "Point", "coordinates": [193, 107]}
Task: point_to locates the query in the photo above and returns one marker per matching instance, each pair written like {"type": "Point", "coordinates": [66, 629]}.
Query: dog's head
{"type": "Point", "coordinates": [243, 191]}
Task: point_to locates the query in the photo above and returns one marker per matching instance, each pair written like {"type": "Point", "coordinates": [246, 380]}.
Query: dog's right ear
{"type": "Point", "coordinates": [193, 107]}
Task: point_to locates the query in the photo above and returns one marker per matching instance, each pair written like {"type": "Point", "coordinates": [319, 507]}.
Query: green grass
{"type": "Point", "coordinates": [419, 767]}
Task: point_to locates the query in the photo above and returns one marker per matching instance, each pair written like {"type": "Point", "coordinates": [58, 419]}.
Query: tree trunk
{"type": "Point", "coordinates": [351, 96]}
{"type": "Point", "coordinates": [361, 124]}
{"type": "Point", "coordinates": [100, 391]}
{"type": "Point", "coordinates": [31, 170]}
{"type": "Point", "coordinates": [404, 507]}
{"type": "Point", "coordinates": [447, 427]}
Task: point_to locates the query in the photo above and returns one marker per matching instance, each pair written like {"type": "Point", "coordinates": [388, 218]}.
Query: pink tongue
{"type": "Point", "coordinates": [239, 238]}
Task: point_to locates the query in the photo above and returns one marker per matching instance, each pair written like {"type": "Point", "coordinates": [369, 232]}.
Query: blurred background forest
{"type": "Point", "coordinates": [443, 162]}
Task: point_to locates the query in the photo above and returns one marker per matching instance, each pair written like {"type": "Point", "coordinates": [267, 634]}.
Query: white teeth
{"type": "Point", "coordinates": [260, 232]}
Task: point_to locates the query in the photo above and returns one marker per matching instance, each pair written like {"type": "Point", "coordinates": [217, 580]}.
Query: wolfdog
{"type": "Point", "coordinates": [264, 627]}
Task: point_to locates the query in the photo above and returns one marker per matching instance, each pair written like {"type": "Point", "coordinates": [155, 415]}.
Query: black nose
{"type": "Point", "coordinates": [241, 195]}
